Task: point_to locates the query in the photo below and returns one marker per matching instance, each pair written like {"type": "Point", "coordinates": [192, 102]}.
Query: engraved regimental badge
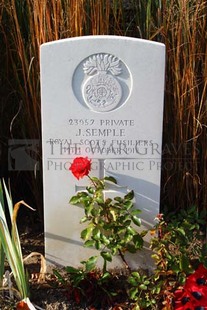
{"type": "Point", "coordinates": [101, 90]}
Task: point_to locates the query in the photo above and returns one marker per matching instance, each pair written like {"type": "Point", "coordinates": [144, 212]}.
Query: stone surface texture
{"type": "Point", "coordinates": [102, 97]}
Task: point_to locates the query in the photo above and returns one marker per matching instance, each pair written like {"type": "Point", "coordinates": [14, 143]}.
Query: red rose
{"type": "Point", "coordinates": [80, 167]}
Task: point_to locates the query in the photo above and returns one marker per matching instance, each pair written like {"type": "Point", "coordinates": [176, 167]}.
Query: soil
{"type": "Point", "coordinates": [47, 293]}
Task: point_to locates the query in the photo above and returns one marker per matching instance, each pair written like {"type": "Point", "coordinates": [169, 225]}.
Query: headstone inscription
{"type": "Point", "coordinates": [102, 97]}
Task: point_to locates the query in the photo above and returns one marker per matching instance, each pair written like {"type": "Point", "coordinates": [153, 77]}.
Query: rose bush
{"type": "Point", "coordinates": [112, 223]}
{"type": "Point", "coordinates": [80, 167]}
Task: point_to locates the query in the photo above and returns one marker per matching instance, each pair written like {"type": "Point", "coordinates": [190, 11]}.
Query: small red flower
{"type": "Point", "coordinates": [22, 306]}
{"type": "Point", "coordinates": [80, 167]}
{"type": "Point", "coordinates": [194, 293]}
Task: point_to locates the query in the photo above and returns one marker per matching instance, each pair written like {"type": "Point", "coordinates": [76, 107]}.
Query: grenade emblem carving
{"type": "Point", "coordinates": [102, 91]}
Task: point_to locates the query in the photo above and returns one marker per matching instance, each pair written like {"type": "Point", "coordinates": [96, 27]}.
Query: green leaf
{"type": "Point", "coordinates": [133, 293]}
{"type": "Point", "coordinates": [143, 287]}
{"type": "Point", "coordinates": [104, 240]}
{"type": "Point", "coordinates": [99, 183]}
{"type": "Point", "coordinates": [132, 281]}
{"type": "Point", "coordinates": [131, 248]}
{"type": "Point", "coordinates": [143, 233]}
{"type": "Point", "coordinates": [89, 243]}
{"type": "Point", "coordinates": [136, 274]}
{"type": "Point", "coordinates": [74, 200]}
{"type": "Point", "coordinates": [130, 230]}
{"type": "Point", "coordinates": [106, 226]}
{"type": "Point", "coordinates": [108, 201]}
{"type": "Point", "coordinates": [97, 244]}
{"type": "Point", "coordinates": [59, 276]}
{"type": "Point", "coordinates": [136, 212]}
{"type": "Point", "coordinates": [138, 240]}
{"type": "Point", "coordinates": [88, 209]}
{"type": "Point", "coordinates": [120, 229]}
{"type": "Point", "coordinates": [82, 194]}
{"type": "Point", "coordinates": [181, 230]}
{"type": "Point", "coordinates": [91, 263]}
{"type": "Point", "coordinates": [204, 249]}
{"type": "Point", "coordinates": [100, 200]}
{"type": "Point", "coordinates": [128, 204]}
{"type": "Point", "coordinates": [119, 199]}
{"type": "Point", "coordinates": [185, 264]}
{"type": "Point", "coordinates": [129, 196]}
{"type": "Point", "coordinates": [175, 268]}
{"type": "Point", "coordinates": [136, 220]}
{"type": "Point", "coordinates": [96, 233]}
{"type": "Point", "coordinates": [106, 256]}
{"type": "Point", "coordinates": [111, 179]}
{"type": "Point", "coordinates": [106, 275]}
{"type": "Point", "coordinates": [71, 269]}
{"type": "Point", "coordinates": [86, 199]}
{"type": "Point", "coordinates": [95, 212]}
{"type": "Point", "coordinates": [127, 223]}
{"type": "Point", "coordinates": [123, 218]}
{"type": "Point", "coordinates": [86, 232]}
{"type": "Point", "coordinates": [156, 257]}
{"type": "Point", "coordinates": [84, 219]}
{"type": "Point", "coordinates": [127, 238]}
{"type": "Point", "coordinates": [114, 250]}
{"type": "Point", "coordinates": [90, 189]}
{"type": "Point", "coordinates": [11, 244]}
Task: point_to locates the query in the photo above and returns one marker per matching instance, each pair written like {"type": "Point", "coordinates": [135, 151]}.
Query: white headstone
{"type": "Point", "coordinates": [102, 97]}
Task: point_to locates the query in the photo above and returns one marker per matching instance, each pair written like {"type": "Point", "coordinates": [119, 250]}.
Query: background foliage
{"type": "Point", "coordinates": [181, 25]}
